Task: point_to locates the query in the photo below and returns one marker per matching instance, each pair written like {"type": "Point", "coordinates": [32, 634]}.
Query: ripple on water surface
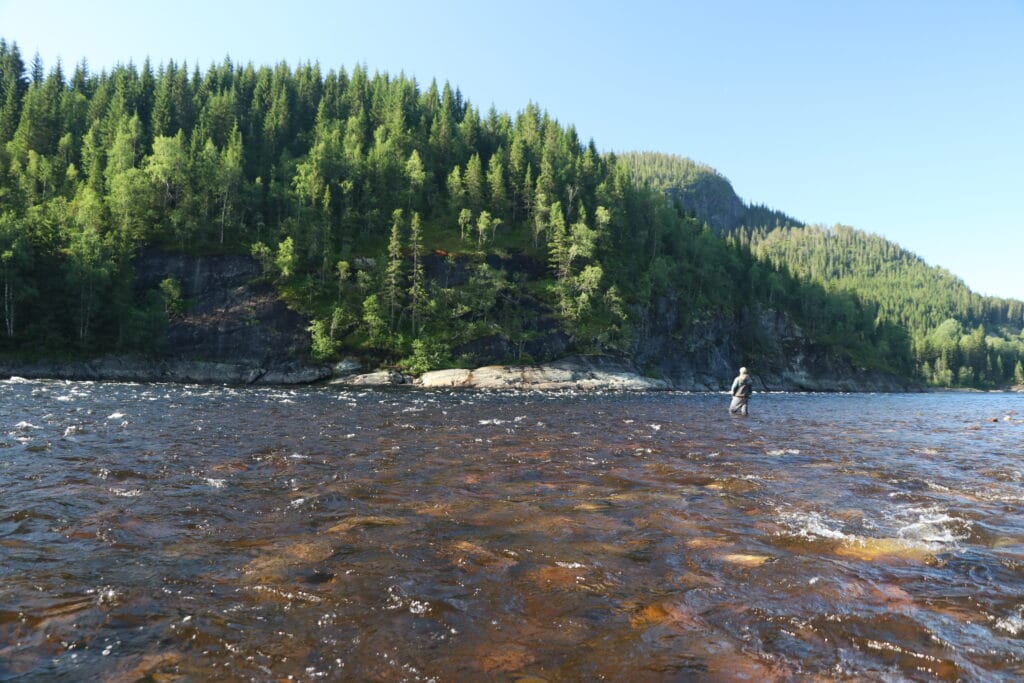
{"type": "Point", "coordinates": [163, 531]}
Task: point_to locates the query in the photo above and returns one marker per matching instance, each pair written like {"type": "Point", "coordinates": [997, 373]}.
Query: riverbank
{"type": "Point", "coordinates": [578, 373]}
{"type": "Point", "coordinates": [129, 369]}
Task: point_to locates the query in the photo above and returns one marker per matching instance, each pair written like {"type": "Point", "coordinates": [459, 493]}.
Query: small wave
{"type": "Point", "coordinates": [24, 426]}
{"type": "Point", "coordinates": [1013, 624]}
{"type": "Point", "coordinates": [115, 416]}
{"type": "Point", "coordinates": [105, 595]}
{"type": "Point", "coordinates": [216, 483]}
{"type": "Point", "coordinates": [783, 451]}
{"type": "Point", "coordinates": [287, 595]}
{"type": "Point", "coordinates": [813, 525]}
{"type": "Point", "coordinates": [932, 526]}
{"type": "Point", "coordinates": [127, 493]}
{"type": "Point", "coordinates": [398, 600]}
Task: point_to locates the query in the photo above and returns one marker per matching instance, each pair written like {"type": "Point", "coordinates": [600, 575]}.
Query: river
{"type": "Point", "coordinates": [170, 532]}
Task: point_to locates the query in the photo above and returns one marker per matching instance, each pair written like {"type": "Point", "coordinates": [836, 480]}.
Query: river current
{"type": "Point", "coordinates": [167, 532]}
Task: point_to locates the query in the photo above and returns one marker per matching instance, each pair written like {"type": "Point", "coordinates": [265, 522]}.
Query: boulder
{"type": "Point", "coordinates": [380, 378]}
{"type": "Point", "coordinates": [438, 379]}
{"type": "Point", "coordinates": [577, 373]}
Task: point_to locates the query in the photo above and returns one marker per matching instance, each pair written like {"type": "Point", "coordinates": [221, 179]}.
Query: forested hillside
{"type": "Point", "coordinates": [958, 337]}
{"type": "Point", "coordinates": [410, 227]}
{"type": "Point", "coordinates": [702, 191]}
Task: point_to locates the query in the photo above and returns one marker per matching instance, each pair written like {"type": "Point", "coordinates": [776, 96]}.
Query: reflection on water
{"type": "Point", "coordinates": [158, 532]}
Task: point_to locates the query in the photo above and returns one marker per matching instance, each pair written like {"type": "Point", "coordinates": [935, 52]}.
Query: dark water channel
{"type": "Point", "coordinates": [163, 533]}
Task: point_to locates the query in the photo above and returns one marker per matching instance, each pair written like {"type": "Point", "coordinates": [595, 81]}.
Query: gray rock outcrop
{"type": "Point", "coordinates": [587, 374]}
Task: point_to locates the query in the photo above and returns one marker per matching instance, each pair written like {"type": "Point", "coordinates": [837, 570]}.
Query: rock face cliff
{"type": "Point", "coordinates": [712, 199]}
{"type": "Point", "coordinates": [228, 317]}
{"type": "Point", "coordinates": [235, 329]}
{"type": "Point", "coordinates": [709, 354]}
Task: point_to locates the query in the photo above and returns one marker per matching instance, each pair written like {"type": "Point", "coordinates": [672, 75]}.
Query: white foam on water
{"type": "Point", "coordinates": [783, 451]}
{"type": "Point", "coordinates": [570, 565]}
{"type": "Point", "coordinates": [127, 493]}
{"type": "Point", "coordinates": [813, 525]}
{"type": "Point", "coordinates": [17, 380]}
{"type": "Point", "coordinates": [105, 595]}
{"type": "Point", "coordinates": [216, 483]}
{"type": "Point", "coordinates": [932, 526]}
{"type": "Point", "coordinates": [25, 426]}
{"type": "Point", "coordinates": [1012, 624]}
{"type": "Point", "coordinates": [115, 416]}
{"type": "Point", "coordinates": [304, 596]}
{"type": "Point", "coordinates": [494, 421]}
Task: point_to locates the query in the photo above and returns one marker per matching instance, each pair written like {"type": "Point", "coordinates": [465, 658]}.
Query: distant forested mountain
{"type": "Point", "coordinates": [702, 191]}
{"type": "Point", "coordinates": [409, 227]}
{"type": "Point", "coordinates": [958, 338]}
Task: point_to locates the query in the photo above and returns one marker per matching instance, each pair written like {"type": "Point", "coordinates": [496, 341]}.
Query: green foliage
{"type": "Point", "coordinates": [409, 226]}
{"type": "Point", "coordinates": [427, 354]}
{"type": "Point", "coordinates": [285, 261]}
{"type": "Point", "coordinates": [945, 320]}
{"type": "Point", "coordinates": [323, 346]}
{"type": "Point", "coordinates": [171, 291]}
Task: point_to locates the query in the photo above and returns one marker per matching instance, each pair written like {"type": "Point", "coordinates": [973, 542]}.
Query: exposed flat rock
{"type": "Point", "coordinates": [570, 373]}
{"type": "Point", "coordinates": [446, 379]}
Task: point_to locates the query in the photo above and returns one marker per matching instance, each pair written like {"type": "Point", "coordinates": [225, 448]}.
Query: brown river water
{"type": "Point", "coordinates": [164, 533]}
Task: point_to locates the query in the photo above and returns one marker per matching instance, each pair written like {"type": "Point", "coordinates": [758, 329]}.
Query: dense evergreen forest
{"type": "Point", "coordinates": [355, 191]}
{"type": "Point", "coordinates": [958, 338]}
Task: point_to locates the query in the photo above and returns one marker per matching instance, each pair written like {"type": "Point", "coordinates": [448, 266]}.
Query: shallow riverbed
{"type": "Point", "coordinates": [214, 533]}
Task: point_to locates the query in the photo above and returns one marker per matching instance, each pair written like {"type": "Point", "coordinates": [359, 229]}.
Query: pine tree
{"type": "Point", "coordinates": [456, 190]}
{"type": "Point", "coordinates": [393, 275]}
{"type": "Point", "coordinates": [418, 296]}
{"type": "Point", "coordinates": [496, 183]}
{"type": "Point", "coordinates": [473, 180]}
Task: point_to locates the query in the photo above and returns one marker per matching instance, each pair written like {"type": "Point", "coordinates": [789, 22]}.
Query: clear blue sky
{"type": "Point", "coordinates": [899, 117]}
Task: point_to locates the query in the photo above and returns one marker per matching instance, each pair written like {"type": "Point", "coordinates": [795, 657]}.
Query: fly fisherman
{"type": "Point", "coordinates": [741, 390]}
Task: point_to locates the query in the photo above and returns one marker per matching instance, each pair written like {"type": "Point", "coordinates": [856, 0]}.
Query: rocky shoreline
{"type": "Point", "coordinates": [578, 373]}
{"type": "Point", "coordinates": [237, 331]}
{"type": "Point", "coordinates": [127, 369]}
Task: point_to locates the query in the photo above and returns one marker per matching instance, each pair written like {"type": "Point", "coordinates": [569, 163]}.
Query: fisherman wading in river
{"type": "Point", "coordinates": [741, 390]}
